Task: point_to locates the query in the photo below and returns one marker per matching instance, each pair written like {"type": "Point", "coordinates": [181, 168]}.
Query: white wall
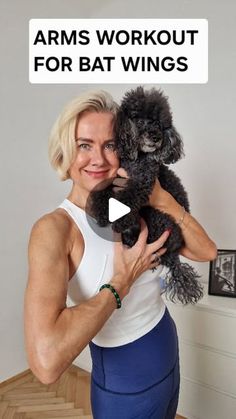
{"type": "Point", "coordinates": [204, 114]}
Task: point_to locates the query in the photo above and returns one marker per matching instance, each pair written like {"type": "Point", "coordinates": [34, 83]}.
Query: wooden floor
{"type": "Point", "coordinates": [24, 397]}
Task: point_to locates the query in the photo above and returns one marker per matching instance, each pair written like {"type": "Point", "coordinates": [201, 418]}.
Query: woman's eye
{"type": "Point", "coordinates": [110, 146]}
{"type": "Point", "coordinates": [84, 146]}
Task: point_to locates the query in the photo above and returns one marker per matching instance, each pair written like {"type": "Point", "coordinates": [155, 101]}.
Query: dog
{"type": "Point", "coordinates": [147, 142]}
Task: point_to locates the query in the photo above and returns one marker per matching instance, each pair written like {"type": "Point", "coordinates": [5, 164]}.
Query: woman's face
{"type": "Point", "coordinates": [96, 159]}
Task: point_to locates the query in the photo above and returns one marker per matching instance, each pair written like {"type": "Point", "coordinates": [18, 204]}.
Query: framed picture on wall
{"type": "Point", "coordinates": [222, 278]}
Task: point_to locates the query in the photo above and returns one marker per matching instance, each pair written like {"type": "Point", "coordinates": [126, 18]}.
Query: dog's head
{"type": "Point", "coordinates": [144, 128]}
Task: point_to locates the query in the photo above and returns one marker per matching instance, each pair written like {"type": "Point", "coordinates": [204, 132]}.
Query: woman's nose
{"type": "Point", "coordinates": [98, 156]}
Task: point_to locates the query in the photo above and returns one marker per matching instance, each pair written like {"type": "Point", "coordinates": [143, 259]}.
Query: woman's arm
{"type": "Point", "coordinates": [54, 333]}
{"type": "Point", "coordinates": [198, 246]}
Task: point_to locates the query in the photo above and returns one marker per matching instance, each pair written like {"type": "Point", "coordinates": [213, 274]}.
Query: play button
{"type": "Point", "coordinates": [116, 209]}
{"type": "Point", "coordinates": [105, 214]}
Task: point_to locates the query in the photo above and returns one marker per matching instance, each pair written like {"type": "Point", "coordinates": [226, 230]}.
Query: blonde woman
{"type": "Point", "coordinates": [131, 335]}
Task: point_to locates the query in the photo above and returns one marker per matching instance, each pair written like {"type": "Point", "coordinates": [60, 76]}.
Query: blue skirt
{"type": "Point", "coordinates": [139, 380]}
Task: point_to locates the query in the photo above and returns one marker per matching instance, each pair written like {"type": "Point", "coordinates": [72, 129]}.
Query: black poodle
{"type": "Point", "coordinates": [147, 142]}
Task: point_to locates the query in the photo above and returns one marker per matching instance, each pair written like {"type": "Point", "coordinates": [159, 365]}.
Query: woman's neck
{"type": "Point", "coordinates": [78, 197]}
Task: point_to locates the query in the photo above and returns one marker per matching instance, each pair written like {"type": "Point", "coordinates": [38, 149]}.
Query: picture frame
{"type": "Point", "coordinates": [222, 274]}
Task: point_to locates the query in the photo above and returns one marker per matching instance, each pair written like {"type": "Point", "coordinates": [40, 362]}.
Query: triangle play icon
{"type": "Point", "coordinates": [116, 209]}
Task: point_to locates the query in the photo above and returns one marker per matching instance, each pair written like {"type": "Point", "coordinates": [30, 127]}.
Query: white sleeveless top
{"type": "Point", "coordinates": [141, 309]}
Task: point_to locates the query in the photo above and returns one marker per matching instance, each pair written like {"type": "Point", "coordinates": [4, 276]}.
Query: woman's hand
{"type": "Point", "coordinates": [130, 263]}
{"type": "Point", "coordinates": [120, 183]}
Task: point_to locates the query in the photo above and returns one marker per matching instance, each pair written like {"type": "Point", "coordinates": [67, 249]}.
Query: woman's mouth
{"type": "Point", "coordinates": [97, 174]}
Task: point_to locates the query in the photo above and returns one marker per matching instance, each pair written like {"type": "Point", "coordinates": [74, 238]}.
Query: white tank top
{"type": "Point", "coordinates": [141, 309]}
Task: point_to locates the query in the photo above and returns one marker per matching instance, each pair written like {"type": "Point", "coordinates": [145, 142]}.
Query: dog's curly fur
{"type": "Point", "coordinates": [146, 142]}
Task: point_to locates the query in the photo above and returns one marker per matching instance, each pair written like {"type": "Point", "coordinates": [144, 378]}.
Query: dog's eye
{"type": "Point", "coordinates": [110, 146]}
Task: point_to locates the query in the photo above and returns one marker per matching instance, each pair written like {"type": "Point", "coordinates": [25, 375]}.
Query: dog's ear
{"type": "Point", "coordinates": [126, 138]}
{"type": "Point", "coordinates": [172, 146]}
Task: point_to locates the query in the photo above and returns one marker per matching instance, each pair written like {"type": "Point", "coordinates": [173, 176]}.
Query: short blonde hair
{"type": "Point", "coordinates": [62, 147]}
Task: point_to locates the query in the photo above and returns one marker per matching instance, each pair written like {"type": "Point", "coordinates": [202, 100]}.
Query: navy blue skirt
{"type": "Point", "coordinates": [139, 380]}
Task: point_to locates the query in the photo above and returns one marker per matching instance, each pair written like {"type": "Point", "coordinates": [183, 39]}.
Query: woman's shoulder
{"type": "Point", "coordinates": [57, 219]}
{"type": "Point", "coordinates": [59, 226]}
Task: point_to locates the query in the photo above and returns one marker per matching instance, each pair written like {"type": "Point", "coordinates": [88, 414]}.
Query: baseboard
{"type": "Point", "coordinates": [15, 378]}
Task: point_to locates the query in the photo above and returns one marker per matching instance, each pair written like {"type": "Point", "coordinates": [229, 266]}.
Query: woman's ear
{"type": "Point", "coordinates": [172, 147]}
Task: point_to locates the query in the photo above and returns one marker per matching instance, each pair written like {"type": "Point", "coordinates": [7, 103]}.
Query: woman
{"type": "Point", "coordinates": [134, 349]}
